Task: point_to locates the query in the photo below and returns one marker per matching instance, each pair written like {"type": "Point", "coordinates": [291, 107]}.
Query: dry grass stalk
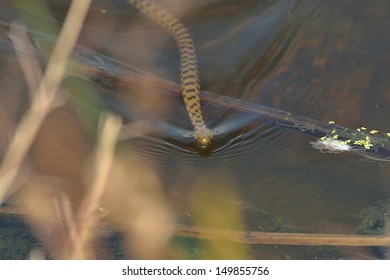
{"type": "Point", "coordinates": [26, 57]}
{"type": "Point", "coordinates": [82, 232]}
{"type": "Point", "coordinates": [135, 203]}
{"type": "Point", "coordinates": [43, 97]}
{"type": "Point", "coordinates": [48, 212]}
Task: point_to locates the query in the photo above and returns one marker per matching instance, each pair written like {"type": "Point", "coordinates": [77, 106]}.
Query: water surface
{"type": "Point", "coordinates": [326, 60]}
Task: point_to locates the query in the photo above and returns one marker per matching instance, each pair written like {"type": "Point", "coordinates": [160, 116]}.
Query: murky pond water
{"type": "Point", "coordinates": [325, 60]}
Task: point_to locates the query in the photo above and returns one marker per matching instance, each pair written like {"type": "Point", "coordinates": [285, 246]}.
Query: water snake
{"type": "Point", "coordinates": [189, 77]}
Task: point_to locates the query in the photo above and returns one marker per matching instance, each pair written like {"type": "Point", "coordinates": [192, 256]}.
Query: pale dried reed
{"type": "Point", "coordinates": [43, 98]}
{"type": "Point", "coordinates": [81, 233]}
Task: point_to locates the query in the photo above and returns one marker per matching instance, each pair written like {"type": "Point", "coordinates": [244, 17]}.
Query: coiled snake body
{"type": "Point", "coordinates": [189, 77]}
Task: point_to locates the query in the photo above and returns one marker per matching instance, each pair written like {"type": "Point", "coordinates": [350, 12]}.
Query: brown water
{"type": "Point", "coordinates": [324, 59]}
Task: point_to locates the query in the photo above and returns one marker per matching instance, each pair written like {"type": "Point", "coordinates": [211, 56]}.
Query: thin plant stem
{"type": "Point", "coordinates": [87, 215]}
{"type": "Point", "coordinates": [43, 98]}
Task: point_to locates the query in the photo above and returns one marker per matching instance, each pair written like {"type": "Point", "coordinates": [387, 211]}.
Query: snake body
{"type": "Point", "coordinates": [189, 76]}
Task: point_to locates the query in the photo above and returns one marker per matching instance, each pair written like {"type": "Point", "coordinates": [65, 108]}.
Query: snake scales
{"type": "Point", "coordinates": [189, 77]}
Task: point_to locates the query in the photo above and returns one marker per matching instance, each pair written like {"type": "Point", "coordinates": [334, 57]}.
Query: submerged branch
{"type": "Point", "coordinates": [282, 238]}
{"type": "Point", "coordinates": [107, 71]}
{"type": "Point", "coordinates": [110, 73]}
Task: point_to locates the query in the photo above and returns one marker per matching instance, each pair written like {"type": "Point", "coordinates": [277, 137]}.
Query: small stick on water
{"type": "Point", "coordinates": [278, 238]}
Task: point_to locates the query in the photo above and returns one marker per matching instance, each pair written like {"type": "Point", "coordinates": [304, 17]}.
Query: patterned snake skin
{"type": "Point", "coordinates": [190, 86]}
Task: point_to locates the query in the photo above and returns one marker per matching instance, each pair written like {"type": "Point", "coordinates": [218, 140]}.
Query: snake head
{"type": "Point", "coordinates": [203, 137]}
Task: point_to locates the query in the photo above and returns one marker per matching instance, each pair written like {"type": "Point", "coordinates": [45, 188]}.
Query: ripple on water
{"type": "Point", "coordinates": [247, 137]}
